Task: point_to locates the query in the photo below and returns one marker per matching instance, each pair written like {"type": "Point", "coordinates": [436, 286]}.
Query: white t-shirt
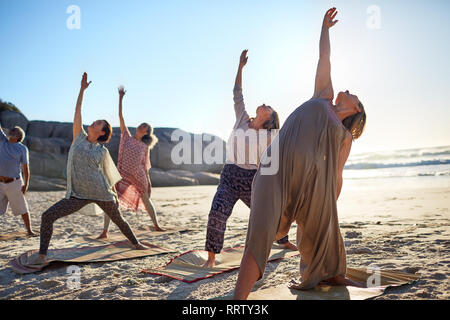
{"type": "Point", "coordinates": [245, 145]}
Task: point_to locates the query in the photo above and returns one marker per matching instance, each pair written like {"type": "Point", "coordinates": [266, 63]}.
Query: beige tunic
{"type": "Point", "coordinates": [91, 172]}
{"type": "Point", "coordinates": [303, 190]}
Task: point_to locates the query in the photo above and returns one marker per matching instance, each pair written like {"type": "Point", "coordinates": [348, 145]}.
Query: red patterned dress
{"type": "Point", "coordinates": [133, 165]}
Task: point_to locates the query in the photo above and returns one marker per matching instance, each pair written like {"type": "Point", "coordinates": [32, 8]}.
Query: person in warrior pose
{"type": "Point", "coordinates": [237, 174]}
{"type": "Point", "coordinates": [135, 188]}
{"type": "Point", "coordinates": [314, 144]}
{"type": "Point", "coordinates": [91, 176]}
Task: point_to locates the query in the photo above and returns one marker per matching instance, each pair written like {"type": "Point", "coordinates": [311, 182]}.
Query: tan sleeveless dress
{"type": "Point", "coordinates": [303, 190]}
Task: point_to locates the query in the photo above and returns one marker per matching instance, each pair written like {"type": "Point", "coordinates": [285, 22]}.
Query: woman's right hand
{"type": "Point", "coordinates": [122, 91]}
{"type": "Point", "coordinates": [329, 17]}
{"type": "Point", "coordinates": [84, 83]}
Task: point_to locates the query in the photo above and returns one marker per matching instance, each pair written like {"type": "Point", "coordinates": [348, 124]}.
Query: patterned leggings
{"type": "Point", "coordinates": [235, 183]}
{"type": "Point", "coordinates": [66, 207]}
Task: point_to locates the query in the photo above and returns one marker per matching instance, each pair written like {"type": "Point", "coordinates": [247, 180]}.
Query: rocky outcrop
{"type": "Point", "coordinates": [49, 143]}
{"type": "Point", "coordinates": [10, 119]}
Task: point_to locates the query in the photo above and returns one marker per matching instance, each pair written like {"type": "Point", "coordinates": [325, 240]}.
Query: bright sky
{"type": "Point", "coordinates": [178, 60]}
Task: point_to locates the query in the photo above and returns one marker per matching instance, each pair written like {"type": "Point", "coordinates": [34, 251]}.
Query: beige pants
{"type": "Point", "coordinates": [12, 193]}
{"type": "Point", "coordinates": [148, 206]}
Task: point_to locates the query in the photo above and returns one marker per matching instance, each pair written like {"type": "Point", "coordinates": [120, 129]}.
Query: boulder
{"type": "Point", "coordinates": [41, 129]}
{"type": "Point", "coordinates": [50, 165]}
{"type": "Point", "coordinates": [162, 178]}
{"type": "Point", "coordinates": [62, 130]}
{"type": "Point", "coordinates": [41, 183]}
{"type": "Point", "coordinates": [10, 119]}
{"type": "Point", "coordinates": [181, 173]}
{"type": "Point", "coordinates": [48, 145]}
{"type": "Point", "coordinates": [207, 178]}
{"type": "Point", "coordinates": [161, 155]}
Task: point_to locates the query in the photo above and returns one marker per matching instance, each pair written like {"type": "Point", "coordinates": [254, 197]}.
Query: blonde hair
{"type": "Point", "coordinates": [356, 123]}
{"type": "Point", "coordinates": [150, 139]}
{"type": "Point", "coordinates": [20, 133]}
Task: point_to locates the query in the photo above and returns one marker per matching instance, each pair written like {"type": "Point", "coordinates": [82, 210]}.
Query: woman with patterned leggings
{"type": "Point", "coordinates": [237, 174]}
{"type": "Point", "coordinates": [91, 176]}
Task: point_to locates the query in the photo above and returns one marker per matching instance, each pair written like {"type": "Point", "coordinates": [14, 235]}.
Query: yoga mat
{"type": "Point", "coordinates": [140, 235]}
{"type": "Point", "coordinates": [109, 252]}
{"type": "Point", "coordinates": [188, 266]}
{"type": "Point", "coordinates": [387, 278]}
{"type": "Point", "coordinates": [15, 235]}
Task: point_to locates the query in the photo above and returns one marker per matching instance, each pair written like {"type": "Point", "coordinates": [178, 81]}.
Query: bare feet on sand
{"type": "Point", "coordinates": [30, 233]}
{"type": "Point", "coordinates": [159, 229]}
{"type": "Point", "coordinates": [290, 246]}
{"type": "Point", "coordinates": [211, 262]}
{"type": "Point", "coordinates": [104, 235]}
{"type": "Point", "coordinates": [140, 246]}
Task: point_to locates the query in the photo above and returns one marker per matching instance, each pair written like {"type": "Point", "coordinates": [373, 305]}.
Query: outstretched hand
{"type": "Point", "coordinates": [243, 59]}
{"type": "Point", "coordinates": [328, 20]}
{"type": "Point", "coordinates": [84, 83]}
{"type": "Point", "coordinates": [122, 91]}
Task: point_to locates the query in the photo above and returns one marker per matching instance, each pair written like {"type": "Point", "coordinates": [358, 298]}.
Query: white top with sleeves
{"type": "Point", "coordinates": [245, 145]}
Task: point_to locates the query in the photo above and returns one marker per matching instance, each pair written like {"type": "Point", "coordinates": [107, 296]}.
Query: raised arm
{"type": "Point", "coordinates": [122, 92]}
{"type": "Point", "coordinates": [239, 105]}
{"type": "Point", "coordinates": [323, 87]}
{"type": "Point", "coordinates": [343, 156]}
{"type": "Point", "coordinates": [77, 123]}
{"type": "Point", "coordinates": [242, 62]}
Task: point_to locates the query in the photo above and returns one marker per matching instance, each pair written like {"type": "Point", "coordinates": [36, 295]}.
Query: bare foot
{"type": "Point", "coordinates": [140, 246]}
{"type": "Point", "coordinates": [104, 235]}
{"type": "Point", "coordinates": [290, 246]}
{"type": "Point", "coordinates": [211, 262]}
{"type": "Point", "coordinates": [158, 228]}
{"type": "Point", "coordinates": [30, 233]}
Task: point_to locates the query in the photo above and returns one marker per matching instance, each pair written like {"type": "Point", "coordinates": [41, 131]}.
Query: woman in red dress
{"type": "Point", "coordinates": [134, 189]}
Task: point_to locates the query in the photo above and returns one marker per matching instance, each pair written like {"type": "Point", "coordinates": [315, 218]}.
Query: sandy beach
{"type": "Point", "coordinates": [401, 224]}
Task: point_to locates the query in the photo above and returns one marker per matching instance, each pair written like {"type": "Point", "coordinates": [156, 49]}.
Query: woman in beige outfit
{"type": "Point", "coordinates": [314, 144]}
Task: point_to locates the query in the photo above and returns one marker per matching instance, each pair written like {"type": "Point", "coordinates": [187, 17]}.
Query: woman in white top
{"type": "Point", "coordinates": [237, 174]}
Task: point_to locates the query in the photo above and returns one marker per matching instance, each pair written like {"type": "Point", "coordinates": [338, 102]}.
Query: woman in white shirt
{"type": "Point", "coordinates": [237, 174]}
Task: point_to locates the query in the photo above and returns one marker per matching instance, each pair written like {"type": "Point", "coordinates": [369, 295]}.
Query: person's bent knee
{"type": "Point", "coordinates": [47, 218]}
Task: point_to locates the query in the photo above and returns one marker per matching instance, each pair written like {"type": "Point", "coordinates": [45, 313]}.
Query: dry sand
{"type": "Point", "coordinates": [401, 224]}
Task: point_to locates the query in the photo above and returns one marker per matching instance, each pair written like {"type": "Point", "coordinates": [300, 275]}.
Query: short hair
{"type": "Point", "coordinates": [20, 133]}
{"type": "Point", "coordinates": [108, 133]}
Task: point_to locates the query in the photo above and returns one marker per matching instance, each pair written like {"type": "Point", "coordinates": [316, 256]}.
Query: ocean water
{"type": "Point", "coordinates": [429, 165]}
